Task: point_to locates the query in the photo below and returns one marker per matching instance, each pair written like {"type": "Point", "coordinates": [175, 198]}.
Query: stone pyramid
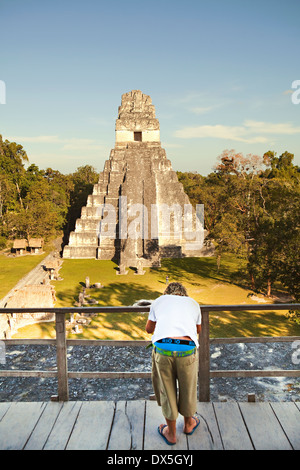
{"type": "Point", "coordinates": [136, 183]}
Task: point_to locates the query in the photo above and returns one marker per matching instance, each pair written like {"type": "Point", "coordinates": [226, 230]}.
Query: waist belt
{"type": "Point", "coordinates": [165, 352]}
{"type": "Point", "coordinates": [176, 341]}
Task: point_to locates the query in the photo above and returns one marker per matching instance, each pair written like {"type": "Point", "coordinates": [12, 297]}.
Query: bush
{"type": "Point", "coordinates": [2, 243]}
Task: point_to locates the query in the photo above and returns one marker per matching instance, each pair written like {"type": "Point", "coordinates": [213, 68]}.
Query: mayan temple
{"type": "Point", "coordinates": [134, 194]}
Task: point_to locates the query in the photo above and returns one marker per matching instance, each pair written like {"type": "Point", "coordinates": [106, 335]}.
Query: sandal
{"type": "Point", "coordinates": [198, 422]}
{"type": "Point", "coordinates": [160, 431]}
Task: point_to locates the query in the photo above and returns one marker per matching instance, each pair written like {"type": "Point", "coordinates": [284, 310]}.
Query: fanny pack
{"type": "Point", "coordinates": [173, 351]}
{"type": "Point", "coordinates": [165, 352]}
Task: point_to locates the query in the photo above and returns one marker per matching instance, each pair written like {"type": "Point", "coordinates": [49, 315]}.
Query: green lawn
{"type": "Point", "coordinates": [12, 269]}
{"type": "Point", "coordinates": [199, 275]}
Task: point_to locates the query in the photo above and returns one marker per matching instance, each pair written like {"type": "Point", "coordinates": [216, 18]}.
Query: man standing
{"type": "Point", "coordinates": [175, 321]}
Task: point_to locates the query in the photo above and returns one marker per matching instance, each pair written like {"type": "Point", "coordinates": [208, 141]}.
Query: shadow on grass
{"type": "Point", "coordinates": [230, 271]}
{"type": "Point", "coordinates": [69, 296]}
{"type": "Point", "coordinates": [247, 323]}
{"type": "Point", "coordinates": [117, 326]}
{"type": "Point", "coordinates": [124, 294]}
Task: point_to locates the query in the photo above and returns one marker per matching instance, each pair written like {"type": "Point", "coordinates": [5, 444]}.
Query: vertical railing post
{"type": "Point", "coordinates": [204, 358]}
{"type": "Point", "coordinates": [61, 357]}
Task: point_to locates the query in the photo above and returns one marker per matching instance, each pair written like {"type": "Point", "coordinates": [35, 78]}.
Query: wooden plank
{"type": "Point", "coordinates": [263, 426]}
{"type": "Point", "coordinates": [3, 408]}
{"type": "Point", "coordinates": [92, 427]}
{"type": "Point", "coordinates": [204, 308]}
{"type": "Point", "coordinates": [61, 357]}
{"type": "Point", "coordinates": [18, 423]}
{"type": "Point", "coordinates": [64, 310]}
{"type": "Point", "coordinates": [27, 373]}
{"type": "Point", "coordinates": [108, 342]}
{"type": "Point", "coordinates": [120, 438]}
{"type": "Point", "coordinates": [142, 343]}
{"type": "Point", "coordinates": [136, 411]}
{"type": "Point", "coordinates": [63, 426]}
{"type": "Point", "coordinates": [28, 341]}
{"type": "Point", "coordinates": [128, 427]}
{"type": "Point", "coordinates": [232, 428]}
{"type": "Point", "coordinates": [204, 359]}
{"type": "Point", "coordinates": [44, 426]}
{"type": "Point", "coordinates": [255, 373]}
{"type": "Point", "coordinates": [289, 417]}
{"type": "Point", "coordinates": [254, 339]}
{"type": "Point", "coordinates": [207, 435]}
{"type": "Point", "coordinates": [152, 440]}
{"type": "Point", "coordinates": [244, 307]}
{"type": "Point", "coordinates": [109, 375]}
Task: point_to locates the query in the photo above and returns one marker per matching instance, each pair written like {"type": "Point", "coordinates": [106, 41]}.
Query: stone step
{"type": "Point", "coordinates": [105, 253]}
{"type": "Point", "coordinates": [95, 199]}
{"type": "Point", "coordinates": [92, 212]}
{"type": "Point", "coordinates": [83, 239]}
{"type": "Point", "coordinates": [170, 251]}
{"type": "Point", "coordinates": [84, 252]}
{"type": "Point", "coordinates": [87, 225]}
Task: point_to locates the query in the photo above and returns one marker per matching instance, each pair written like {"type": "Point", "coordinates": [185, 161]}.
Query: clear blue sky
{"type": "Point", "coordinates": [219, 73]}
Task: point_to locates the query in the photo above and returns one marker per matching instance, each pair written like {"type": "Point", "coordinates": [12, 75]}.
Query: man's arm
{"type": "Point", "coordinates": [198, 329]}
{"type": "Point", "coordinates": [150, 326]}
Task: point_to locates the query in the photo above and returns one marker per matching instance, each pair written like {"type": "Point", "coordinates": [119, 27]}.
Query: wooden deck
{"type": "Point", "coordinates": [132, 425]}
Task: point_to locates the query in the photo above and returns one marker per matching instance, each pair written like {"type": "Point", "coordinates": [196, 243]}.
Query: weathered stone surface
{"type": "Point", "coordinates": [139, 171]}
{"type": "Point", "coordinates": [28, 296]}
{"type": "Point", "coordinates": [138, 359]}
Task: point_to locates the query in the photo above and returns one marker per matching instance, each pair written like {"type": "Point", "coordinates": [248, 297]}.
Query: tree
{"type": "Point", "coordinates": [12, 158]}
{"type": "Point", "coordinates": [275, 226]}
{"type": "Point", "coordinates": [83, 180]}
{"type": "Point", "coordinates": [251, 209]}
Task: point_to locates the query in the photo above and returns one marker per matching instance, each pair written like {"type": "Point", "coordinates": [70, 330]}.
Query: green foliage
{"type": "Point", "coordinates": [251, 207]}
{"type": "Point", "coordinates": [2, 242]}
{"type": "Point", "coordinates": [83, 181]}
{"type": "Point", "coordinates": [38, 203]}
{"type": "Point", "coordinates": [294, 316]}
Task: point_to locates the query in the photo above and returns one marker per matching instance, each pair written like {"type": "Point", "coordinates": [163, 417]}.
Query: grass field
{"type": "Point", "coordinates": [200, 276]}
{"type": "Point", "coordinates": [12, 269]}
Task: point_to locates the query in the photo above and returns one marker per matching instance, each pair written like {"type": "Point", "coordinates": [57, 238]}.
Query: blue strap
{"type": "Point", "coordinates": [172, 346]}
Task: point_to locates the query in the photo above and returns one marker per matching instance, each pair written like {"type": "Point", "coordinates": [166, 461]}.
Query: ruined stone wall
{"type": "Point", "coordinates": [29, 296]}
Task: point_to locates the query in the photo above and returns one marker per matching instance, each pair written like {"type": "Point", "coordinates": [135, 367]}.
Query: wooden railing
{"type": "Point", "coordinates": [205, 341]}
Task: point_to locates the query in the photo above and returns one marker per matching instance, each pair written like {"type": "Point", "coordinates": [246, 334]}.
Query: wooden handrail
{"type": "Point", "coordinates": [205, 373]}
{"type": "Point", "coordinates": [131, 308]}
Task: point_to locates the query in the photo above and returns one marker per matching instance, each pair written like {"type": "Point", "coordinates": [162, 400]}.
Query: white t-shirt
{"type": "Point", "coordinates": [175, 316]}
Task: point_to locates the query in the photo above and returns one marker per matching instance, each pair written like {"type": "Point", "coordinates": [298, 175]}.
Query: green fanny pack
{"type": "Point", "coordinates": [165, 352]}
